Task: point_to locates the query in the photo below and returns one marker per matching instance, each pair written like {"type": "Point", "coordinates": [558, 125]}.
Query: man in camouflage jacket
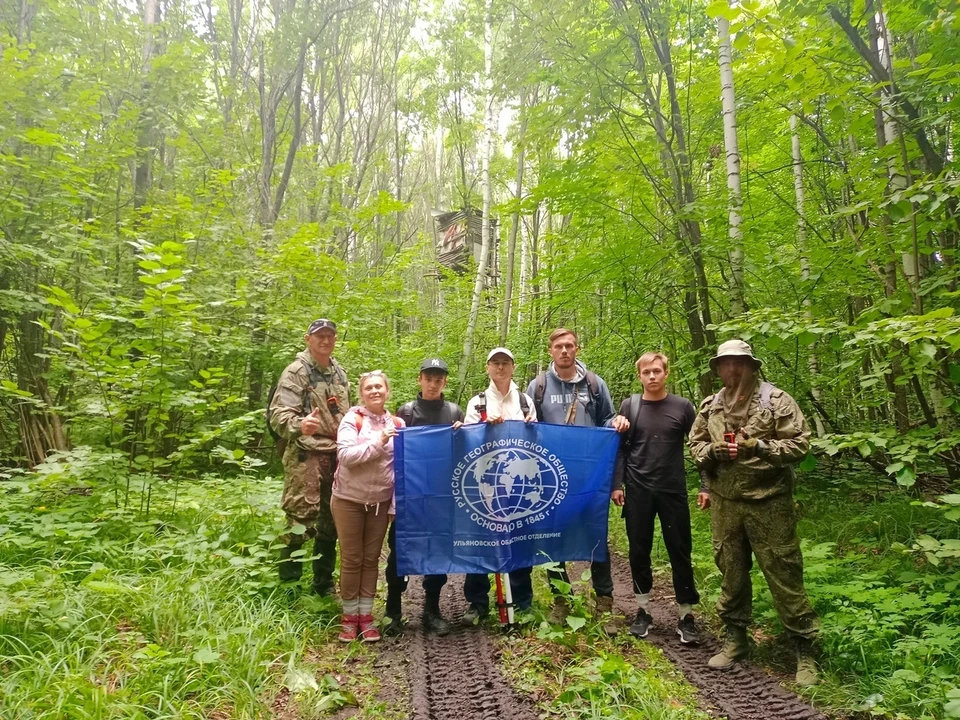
{"type": "Point", "coordinates": [746, 440]}
{"type": "Point", "coordinates": [311, 397]}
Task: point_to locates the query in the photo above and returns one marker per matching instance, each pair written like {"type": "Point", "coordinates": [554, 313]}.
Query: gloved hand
{"type": "Point", "coordinates": [719, 450]}
{"type": "Point", "coordinates": [751, 447]}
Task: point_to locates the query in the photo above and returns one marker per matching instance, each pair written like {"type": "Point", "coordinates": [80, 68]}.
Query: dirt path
{"type": "Point", "coordinates": [454, 677]}
{"type": "Point", "coordinates": [743, 693]}
{"type": "Point", "coordinates": [457, 677]}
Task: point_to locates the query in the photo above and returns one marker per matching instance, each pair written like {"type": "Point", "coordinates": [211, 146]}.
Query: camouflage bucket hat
{"type": "Point", "coordinates": [734, 348]}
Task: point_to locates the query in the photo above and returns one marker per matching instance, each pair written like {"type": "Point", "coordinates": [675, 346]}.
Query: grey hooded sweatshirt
{"type": "Point", "coordinates": [558, 394]}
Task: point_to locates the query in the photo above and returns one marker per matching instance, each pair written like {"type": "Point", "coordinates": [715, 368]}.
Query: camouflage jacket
{"type": "Point", "coordinates": [299, 391]}
{"type": "Point", "coordinates": [781, 426]}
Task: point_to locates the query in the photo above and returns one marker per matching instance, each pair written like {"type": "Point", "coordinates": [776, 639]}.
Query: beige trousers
{"type": "Point", "coordinates": [361, 529]}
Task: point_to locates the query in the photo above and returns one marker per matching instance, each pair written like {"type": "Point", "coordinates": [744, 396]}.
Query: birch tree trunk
{"type": "Point", "coordinates": [514, 226]}
{"type": "Point", "coordinates": [478, 285]}
{"type": "Point", "coordinates": [735, 203]}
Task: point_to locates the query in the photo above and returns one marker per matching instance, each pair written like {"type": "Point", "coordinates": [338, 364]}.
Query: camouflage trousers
{"type": "Point", "coordinates": [307, 487]}
{"type": "Point", "coordinates": [768, 530]}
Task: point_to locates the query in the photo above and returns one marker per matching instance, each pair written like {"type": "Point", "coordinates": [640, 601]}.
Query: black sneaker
{"type": "Point", "coordinates": [392, 625]}
{"type": "Point", "coordinates": [435, 623]}
{"type": "Point", "coordinates": [641, 626]}
{"type": "Point", "coordinates": [687, 630]}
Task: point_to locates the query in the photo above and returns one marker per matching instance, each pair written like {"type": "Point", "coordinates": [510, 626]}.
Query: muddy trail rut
{"type": "Point", "coordinates": [746, 692]}
{"type": "Point", "coordinates": [457, 677]}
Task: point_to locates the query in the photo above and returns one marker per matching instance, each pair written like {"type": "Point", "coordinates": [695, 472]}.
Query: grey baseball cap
{"type": "Point", "coordinates": [320, 324]}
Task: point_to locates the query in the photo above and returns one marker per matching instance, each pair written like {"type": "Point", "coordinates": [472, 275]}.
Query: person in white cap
{"type": "Point", "coordinates": [502, 400]}
{"type": "Point", "coordinates": [746, 440]}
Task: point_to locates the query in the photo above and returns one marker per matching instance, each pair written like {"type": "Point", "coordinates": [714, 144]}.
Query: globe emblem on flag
{"type": "Point", "coordinates": [509, 484]}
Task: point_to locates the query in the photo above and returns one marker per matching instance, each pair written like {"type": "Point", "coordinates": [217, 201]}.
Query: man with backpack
{"type": "Point", "coordinates": [429, 408]}
{"type": "Point", "coordinates": [570, 394]}
{"type": "Point", "coordinates": [746, 440]}
{"type": "Point", "coordinates": [650, 480]}
{"type": "Point", "coordinates": [502, 400]}
{"type": "Point", "coordinates": [304, 412]}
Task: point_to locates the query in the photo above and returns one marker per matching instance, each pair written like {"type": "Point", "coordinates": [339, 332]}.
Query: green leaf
{"type": "Point", "coordinates": [806, 338]}
{"type": "Point", "coordinates": [576, 622]}
{"type": "Point", "coordinates": [721, 8]}
{"type": "Point", "coordinates": [205, 655]}
{"type": "Point", "coordinates": [809, 463]}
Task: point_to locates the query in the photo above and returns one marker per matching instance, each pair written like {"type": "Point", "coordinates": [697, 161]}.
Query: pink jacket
{"type": "Point", "coordinates": [364, 465]}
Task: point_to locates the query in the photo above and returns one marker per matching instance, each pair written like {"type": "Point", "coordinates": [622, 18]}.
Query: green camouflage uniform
{"type": "Point", "coordinates": [753, 510]}
{"type": "Point", "coordinates": [309, 461]}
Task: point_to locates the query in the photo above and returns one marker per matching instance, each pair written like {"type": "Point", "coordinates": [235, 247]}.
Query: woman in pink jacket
{"type": "Point", "coordinates": [362, 502]}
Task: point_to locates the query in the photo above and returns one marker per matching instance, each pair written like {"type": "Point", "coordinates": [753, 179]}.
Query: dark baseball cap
{"type": "Point", "coordinates": [434, 364]}
{"type": "Point", "coordinates": [320, 325]}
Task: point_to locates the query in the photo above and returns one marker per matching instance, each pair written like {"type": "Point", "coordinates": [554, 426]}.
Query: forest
{"type": "Point", "coordinates": [186, 184]}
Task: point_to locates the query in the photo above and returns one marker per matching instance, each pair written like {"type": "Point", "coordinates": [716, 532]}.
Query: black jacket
{"type": "Point", "coordinates": [430, 412]}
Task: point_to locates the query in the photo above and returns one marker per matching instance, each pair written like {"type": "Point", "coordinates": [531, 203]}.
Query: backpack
{"type": "Point", "coordinates": [482, 405]}
{"type": "Point", "coordinates": [397, 423]}
{"type": "Point", "coordinates": [540, 390]}
{"type": "Point", "coordinates": [315, 379]}
{"type": "Point", "coordinates": [765, 391]}
{"type": "Point", "coordinates": [452, 411]}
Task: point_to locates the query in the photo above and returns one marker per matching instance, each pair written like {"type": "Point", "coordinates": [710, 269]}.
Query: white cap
{"type": "Point", "coordinates": [499, 351]}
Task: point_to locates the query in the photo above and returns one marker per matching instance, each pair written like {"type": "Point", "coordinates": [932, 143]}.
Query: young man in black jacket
{"type": "Point", "coordinates": [428, 409]}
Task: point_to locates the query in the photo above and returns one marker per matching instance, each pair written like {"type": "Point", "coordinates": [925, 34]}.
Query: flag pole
{"type": "Point", "coordinates": [504, 599]}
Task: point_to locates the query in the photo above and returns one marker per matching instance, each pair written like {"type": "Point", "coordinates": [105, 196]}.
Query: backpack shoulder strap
{"type": "Point", "coordinates": [482, 405]}
{"type": "Point", "coordinates": [766, 390]}
{"type": "Point", "coordinates": [539, 390]}
{"type": "Point", "coordinates": [594, 384]}
{"type": "Point", "coordinates": [524, 405]}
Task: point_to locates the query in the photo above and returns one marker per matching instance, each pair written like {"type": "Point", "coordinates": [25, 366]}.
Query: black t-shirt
{"type": "Point", "coordinates": [656, 441]}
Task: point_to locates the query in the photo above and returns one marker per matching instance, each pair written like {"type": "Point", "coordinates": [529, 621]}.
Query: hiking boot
{"type": "Point", "coordinates": [392, 626]}
{"type": "Point", "coordinates": [349, 628]}
{"type": "Point", "coordinates": [475, 614]}
{"type": "Point", "coordinates": [687, 630]}
{"type": "Point", "coordinates": [734, 649]}
{"type": "Point", "coordinates": [434, 622]}
{"type": "Point", "coordinates": [289, 570]}
{"type": "Point", "coordinates": [807, 675]}
{"type": "Point", "coordinates": [368, 631]}
{"type": "Point", "coordinates": [559, 611]}
{"type": "Point", "coordinates": [641, 625]}
{"type": "Point", "coordinates": [604, 611]}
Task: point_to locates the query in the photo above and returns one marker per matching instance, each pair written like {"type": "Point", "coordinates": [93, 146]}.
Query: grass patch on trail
{"type": "Point", "coordinates": [107, 614]}
{"type": "Point", "coordinates": [584, 674]}
{"type": "Point", "coordinates": [881, 569]}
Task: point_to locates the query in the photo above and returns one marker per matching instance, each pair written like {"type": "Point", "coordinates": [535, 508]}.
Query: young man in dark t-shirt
{"type": "Point", "coordinates": [650, 481]}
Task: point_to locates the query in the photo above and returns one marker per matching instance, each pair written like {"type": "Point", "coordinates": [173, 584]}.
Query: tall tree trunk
{"type": "Point", "coordinates": [514, 225]}
{"type": "Point", "coordinates": [805, 264]}
{"type": "Point", "coordinates": [481, 280]}
{"type": "Point", "coordinates": [728, 98]}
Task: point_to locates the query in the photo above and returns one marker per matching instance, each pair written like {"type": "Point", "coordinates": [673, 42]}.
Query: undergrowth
{"type": "Point", "coordinates": [106, 612]}
{"type": "Point", "coordinates": [880, 567]}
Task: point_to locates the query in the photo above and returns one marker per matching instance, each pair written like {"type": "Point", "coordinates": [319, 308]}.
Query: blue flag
{"type": "Point", "coordinates": [494, 498]}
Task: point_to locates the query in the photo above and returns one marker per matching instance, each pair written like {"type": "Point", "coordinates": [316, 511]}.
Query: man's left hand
{"type": "Point", "coordinates": [617, 498]}
{"type": "Point", "coordinates": [620, 423]}
{"type": "Point", "coordinates": [751, 447]}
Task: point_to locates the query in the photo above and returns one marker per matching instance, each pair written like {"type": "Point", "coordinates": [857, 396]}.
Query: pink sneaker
{"type": "Point", "coordinates": [368, 631]}
{"type": "Point", "coordinates": [349, 627]}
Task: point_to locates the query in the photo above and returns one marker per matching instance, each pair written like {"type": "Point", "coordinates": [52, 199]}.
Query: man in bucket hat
{"type": "Point", "coordinates": [311, 397]}
{"type": "Point", "coordinates": [746, 440]}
